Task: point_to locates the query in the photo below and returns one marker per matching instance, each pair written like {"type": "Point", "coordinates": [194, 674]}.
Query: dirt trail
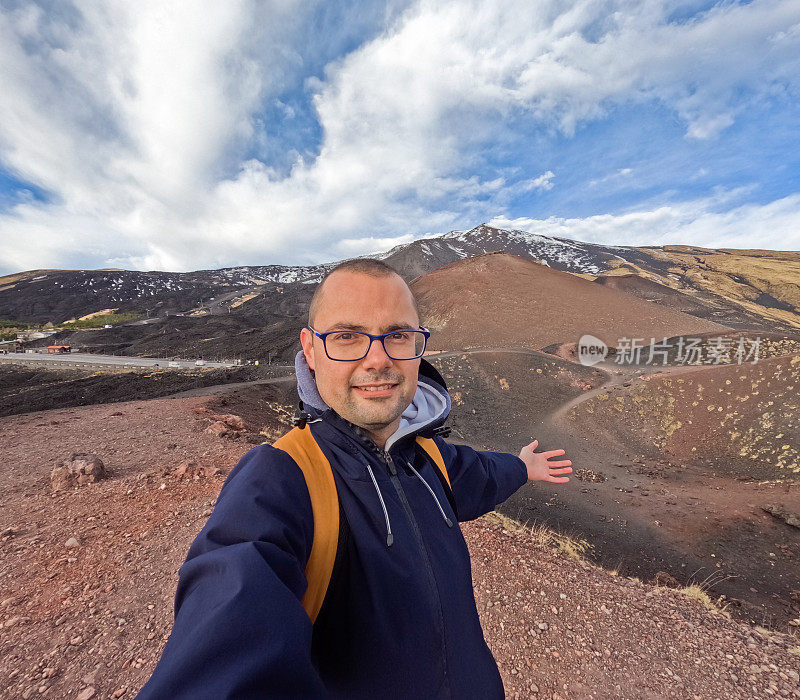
{"type": "Point", "coordinates": [619, 376]}
{"type": "Point", "coordinates": [219, 389]}
{"type": "Point", "coordinates": [644, 513]}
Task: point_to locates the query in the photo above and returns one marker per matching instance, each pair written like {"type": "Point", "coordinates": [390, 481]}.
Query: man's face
{"type": "Point", "coordinates": [355, 301]}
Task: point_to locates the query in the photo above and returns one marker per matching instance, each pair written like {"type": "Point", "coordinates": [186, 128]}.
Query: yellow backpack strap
{"type": "Point", "coordinates": [433, 452]}
{"type": "Point", "coordinates": [303, 448]}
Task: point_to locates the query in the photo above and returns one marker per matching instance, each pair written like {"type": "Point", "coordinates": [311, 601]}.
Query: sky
{"type": "Point", "coordinates": [196, 135]}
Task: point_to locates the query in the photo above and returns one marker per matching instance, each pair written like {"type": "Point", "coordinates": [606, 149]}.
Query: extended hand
{"type": "Point", "coordinates": [539, 469]}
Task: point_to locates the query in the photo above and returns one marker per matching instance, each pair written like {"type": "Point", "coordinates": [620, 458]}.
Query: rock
{"type": "Point", "coordinates": [14, 621]}
{"type": "Point", "coordinates": [76, 640]}
{"type": "Point", "coordinates": [780, 512]}
{"type": "Point", "coordinates": [217, 428]}
{"type": "Point", "coordinates": [90, 678]}
{"type": "Point", "coordinates": [86, 693]}
{"type": "Point", "coordinates": [231, 420]}
{"type": "Point", "coordinates": [77, 470]}
{"type": "Point", "coordinates": [119, 692]}
{"type": "Point", "coordinates": [590, 475]}
{"type": "Point", "coordinates": [71, 543]}
{"type": "Point", "coordinates": [189, 469]}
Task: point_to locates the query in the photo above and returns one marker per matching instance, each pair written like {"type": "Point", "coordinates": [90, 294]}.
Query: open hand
{"type": "Point", "coordinates": [540, 469]}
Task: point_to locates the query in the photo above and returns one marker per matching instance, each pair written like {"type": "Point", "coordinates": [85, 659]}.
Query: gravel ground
{"type": "Point", "coordinates": [563, 628]}
{"type": "Point", "coordinates": [88, 618]}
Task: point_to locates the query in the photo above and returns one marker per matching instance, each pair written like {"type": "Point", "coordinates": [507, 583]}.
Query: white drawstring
{"type": "Point", "coordinates": [427, 486]}
{"type": "Point", "coordinates": [389, 535]}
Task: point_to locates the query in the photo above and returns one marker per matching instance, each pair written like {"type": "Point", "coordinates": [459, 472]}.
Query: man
{"type": "Point", "coordinates": [399, 616]}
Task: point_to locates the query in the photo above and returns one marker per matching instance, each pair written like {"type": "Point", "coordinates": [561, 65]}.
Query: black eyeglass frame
{"type": "Point", "coordinates": [425, 332]}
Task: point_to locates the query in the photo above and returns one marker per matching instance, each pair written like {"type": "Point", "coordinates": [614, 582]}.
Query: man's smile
{"type": "Point", "coordinates": [376, 390]}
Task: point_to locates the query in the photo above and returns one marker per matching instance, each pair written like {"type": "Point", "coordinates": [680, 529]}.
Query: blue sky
{"type": "Point", "coordinates": [193, 135]}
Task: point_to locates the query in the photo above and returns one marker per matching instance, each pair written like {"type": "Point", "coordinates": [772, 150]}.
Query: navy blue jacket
{"type": "Point", "coordinates": [399, 619]}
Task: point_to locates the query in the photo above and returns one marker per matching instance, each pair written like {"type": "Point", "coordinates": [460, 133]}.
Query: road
{"type": "Point", "coordinates": [79, 359]}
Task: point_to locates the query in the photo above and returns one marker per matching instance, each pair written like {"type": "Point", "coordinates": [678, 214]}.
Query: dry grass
{"type": "Point", "coordinates": [244, 299]}
{"type": "Point", "coordinates": [103, 312]}
{"type": "Point", "coordinates": [699, 593]}
{"type": "Point", "coordinates": [571, 546]}
{"type": "Point", "coordinates": [737, 275]}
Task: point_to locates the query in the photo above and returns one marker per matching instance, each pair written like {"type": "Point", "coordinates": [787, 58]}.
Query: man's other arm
{"type": "Point", "coordinates": [480, 479]}
{"type": "Point", "coordinates": [240, 629]}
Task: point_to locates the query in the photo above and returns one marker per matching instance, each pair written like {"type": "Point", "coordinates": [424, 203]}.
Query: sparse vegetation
{"type": "Point", "coordinates": [744, 418]}
{"type": "Point", "coordinates": [571, 546]}
{"type": "Point", "coordinates": [8, 323]}
{"type": "Point", "coordinates": [700, 593]}
{"type": "Point", "coordinates": [102, 320]}
{"type": "Point", "coordinates": [10, 328]}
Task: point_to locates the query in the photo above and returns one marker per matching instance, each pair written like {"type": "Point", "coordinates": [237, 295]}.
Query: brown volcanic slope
{"type": "Point", "coordinates": [763, 283]}
{"type": "Point", "coordinates": [501, 398]}
{"type": "Point", "coordinates": [695, 302]}
{"type": "Point", "coordinates": [502, 300]}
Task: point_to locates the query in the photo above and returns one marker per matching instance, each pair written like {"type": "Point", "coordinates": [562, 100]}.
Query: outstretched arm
{"type": "Point", "coordinates": [240, 629]}
{"type": "Point", "coordinates": [481, 479]}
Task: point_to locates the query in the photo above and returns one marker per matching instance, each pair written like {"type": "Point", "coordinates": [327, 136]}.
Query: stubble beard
{"type": "Point", "coordinates": [376, 414]}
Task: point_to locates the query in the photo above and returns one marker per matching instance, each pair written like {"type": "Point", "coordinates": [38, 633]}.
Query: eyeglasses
{"type": "Point", "coordinates": [347, 346]}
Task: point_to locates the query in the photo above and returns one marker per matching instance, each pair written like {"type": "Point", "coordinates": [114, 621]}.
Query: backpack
{"type": "Point", "coordinates": [329, 519]}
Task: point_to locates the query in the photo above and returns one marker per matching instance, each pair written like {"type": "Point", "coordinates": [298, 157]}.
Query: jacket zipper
{"type": "Point", "coordinates": [425, 556]}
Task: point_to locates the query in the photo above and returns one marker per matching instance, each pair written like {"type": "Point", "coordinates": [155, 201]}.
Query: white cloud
{"type": "Point", "coordinates": [543, 182]}
{"type": "Point", "coordinates": [138, 117]}
{"type": "Point", "coordinates": [774, 226]}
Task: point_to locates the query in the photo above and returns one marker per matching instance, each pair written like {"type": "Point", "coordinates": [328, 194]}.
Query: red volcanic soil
{"type": "Point", "coordinates": [90, 620]}
{"type": "Point", "coordinates": [501, 300]}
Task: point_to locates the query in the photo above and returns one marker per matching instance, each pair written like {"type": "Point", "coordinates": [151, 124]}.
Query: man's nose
{"type": "Point", "coordinates": [376, 356]}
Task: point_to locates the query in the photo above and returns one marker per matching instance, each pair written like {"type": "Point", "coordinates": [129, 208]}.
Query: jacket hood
{"type": "Point", "coordinates": [427, 411]}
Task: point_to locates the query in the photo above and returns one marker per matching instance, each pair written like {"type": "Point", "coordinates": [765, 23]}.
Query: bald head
{"type": "Point", "coordinates": [364, 266]}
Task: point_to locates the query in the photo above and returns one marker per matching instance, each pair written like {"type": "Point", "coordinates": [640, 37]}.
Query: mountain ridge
{"type": "Point", "coordinates": [741, 288]}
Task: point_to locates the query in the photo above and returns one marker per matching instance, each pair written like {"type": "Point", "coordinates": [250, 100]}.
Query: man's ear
{"type": "Point", "coordinates": [307, 341]}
